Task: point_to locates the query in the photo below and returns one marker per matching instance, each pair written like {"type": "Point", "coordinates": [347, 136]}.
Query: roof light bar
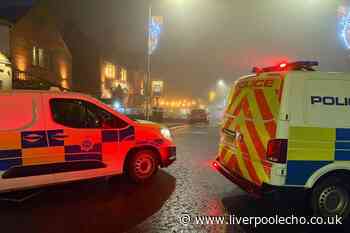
{"type": "Point", "coordinates": [298, 65]}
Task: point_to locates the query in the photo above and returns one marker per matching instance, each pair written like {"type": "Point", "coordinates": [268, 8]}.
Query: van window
{"type": "Point", "coordinates": [16, 112]}
{"type": "Point", "coordinates": [70, 113]}
{"type": "Point", "coordinates": [81, 114]}
{"type": "Point", "coordinates": [105, 119]}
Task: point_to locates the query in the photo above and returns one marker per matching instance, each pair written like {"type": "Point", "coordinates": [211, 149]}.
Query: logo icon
{"type": "Point", "coordinates": [32, 138]}
{"type": "Point", "coordinates": [87, 145]}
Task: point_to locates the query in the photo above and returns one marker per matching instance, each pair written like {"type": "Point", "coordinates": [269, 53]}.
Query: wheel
{"type": "Point", "coordinates": [142, 165]}
{"type": "Point", "coordinates": [330, 198]}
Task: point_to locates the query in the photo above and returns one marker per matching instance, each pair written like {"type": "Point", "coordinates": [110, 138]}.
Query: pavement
{"type": "Point", "coordinates": [189, 186]}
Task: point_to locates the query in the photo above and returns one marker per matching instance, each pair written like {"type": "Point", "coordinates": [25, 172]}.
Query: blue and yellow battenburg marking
{"type": "Point", "coordinates": [310, 149]}
{"type": "Point", "coordinates": [55, 146]}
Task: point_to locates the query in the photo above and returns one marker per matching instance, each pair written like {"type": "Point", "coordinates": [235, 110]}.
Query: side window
{"type": "Point", "coordinates": [81, 114]}
{"type": "Point", "coordinates": [104, 119]}
{"type": "Point", "coordinates": [69, 112]}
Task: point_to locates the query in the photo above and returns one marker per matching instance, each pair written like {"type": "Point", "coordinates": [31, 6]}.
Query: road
{"type": "Point", "coordinates": [189, 186]}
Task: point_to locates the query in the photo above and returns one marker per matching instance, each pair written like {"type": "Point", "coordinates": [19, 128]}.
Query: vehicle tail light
{"type": "Point", "coordinates": [283, 65]}
{"type": "Point", "coordinates": [277, 150]}
{"type": "Point", "coordinates": [215, 165]}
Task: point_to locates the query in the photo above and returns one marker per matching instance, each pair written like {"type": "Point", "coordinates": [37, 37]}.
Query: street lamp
{"type": "Point", "coordinates": [221, 83]}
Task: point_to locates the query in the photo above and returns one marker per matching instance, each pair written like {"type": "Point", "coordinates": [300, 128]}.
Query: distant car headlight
{"type": "Point", "coordinates": [166, 133]}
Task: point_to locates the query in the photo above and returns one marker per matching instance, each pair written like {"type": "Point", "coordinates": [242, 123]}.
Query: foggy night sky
{"type": "Point", "coordinates": [205, 40]}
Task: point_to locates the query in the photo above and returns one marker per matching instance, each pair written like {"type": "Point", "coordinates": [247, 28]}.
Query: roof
{"type": "Point", "coordinates": [40, 92]}
{"type": "Point", "coordinates": [13, 13]}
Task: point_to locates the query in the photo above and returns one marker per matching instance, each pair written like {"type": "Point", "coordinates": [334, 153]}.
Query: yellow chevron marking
{"type": "Point", "coordinates": [272, 101]}
{"type": "Point", "coordinates": [254, 156]}
{"type": "Point", "coordinates": [258, 121]}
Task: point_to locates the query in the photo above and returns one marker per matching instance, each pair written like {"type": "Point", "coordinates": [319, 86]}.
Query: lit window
{"type": "Point", "coordinates": [110, 70]}
{"type": "Point", "coordinates": [38, 57]}
{"type": "Point", "coordinates": [34, 56]}
{"type": "Point", "coordinates": [41, 57]}
{"type": "Point", "coordinates": [142, 91]}
{"type": "Point", "coordinates": [123, 75]}
{"type": "Point", "coordinates": [21, 76]}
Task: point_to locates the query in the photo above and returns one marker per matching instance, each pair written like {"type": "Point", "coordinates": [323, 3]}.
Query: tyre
{"type": "Point", "coordinates": [142, 165]}
{"type": "Point", "coordinates": [331, 197]}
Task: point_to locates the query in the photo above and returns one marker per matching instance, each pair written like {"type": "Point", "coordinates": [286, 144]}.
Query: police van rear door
{"type": "Point", "coordinates": [250, 122]}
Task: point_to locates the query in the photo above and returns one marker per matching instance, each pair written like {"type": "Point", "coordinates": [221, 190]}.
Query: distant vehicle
{"type": "Point", "coordinates": [198, 116]}
{"type": "Point", "coordinates": [135, 113]}
{"type": "Point", "coordinates": [157, 114]}
{"type": "Point", "coordinates": [288, 128]}
{"type": "Point", "coordinates": [53, 137]}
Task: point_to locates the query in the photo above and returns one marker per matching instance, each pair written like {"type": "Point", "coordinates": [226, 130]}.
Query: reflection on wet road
{"type": "Point", "coordinates": [99, 205]}
{"type": "Point", "coordinates": [189, 186]}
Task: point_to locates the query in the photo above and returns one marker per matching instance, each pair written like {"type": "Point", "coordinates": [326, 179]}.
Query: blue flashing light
{"type": "Point", "coordinates": [345, 31]}
{"type": "Point", "coordinates": [118, 107]}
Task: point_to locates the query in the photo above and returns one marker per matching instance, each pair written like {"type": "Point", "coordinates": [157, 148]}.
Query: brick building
{"type": "Point", "coordinates": [39, 56]}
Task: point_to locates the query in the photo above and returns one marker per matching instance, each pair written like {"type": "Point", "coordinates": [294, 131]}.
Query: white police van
{"type": "Point", "coordinates": [288, 127]}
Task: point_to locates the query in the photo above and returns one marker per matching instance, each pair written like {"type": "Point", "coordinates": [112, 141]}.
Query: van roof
{"type": "Point", "coordinates": [40, 92]}
{"type": "Point", "coordinates": [284, 66]}
{"type": "Point", "coordinates": [313, 74]}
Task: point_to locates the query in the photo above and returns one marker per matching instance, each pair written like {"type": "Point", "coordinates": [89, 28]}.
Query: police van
{"type": "Point", "coordinates": [49, 137]}
{"type": "Point", "coordinates": [288, 127]}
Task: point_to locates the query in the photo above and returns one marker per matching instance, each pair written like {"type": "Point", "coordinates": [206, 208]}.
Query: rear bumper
{"type": "Point", "coordinates": [244, 184]}
{"type": "Point", "coordinates": [252, 188]}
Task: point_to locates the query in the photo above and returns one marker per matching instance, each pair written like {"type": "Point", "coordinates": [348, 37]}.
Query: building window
{"type": "Point", "coordinates": [21, 76]}
{"type": "Point", "coordinates": [38, 57]}
{"type": "Point", "coordinates": [123, 75]}
{"type": "Point", "coordinates": [41, 57]}
{"type": "Point", "coordinates": [110, 70]}
{"type": "Point", "coordinates": [35, 56]}
{"type": "Point", "coordinates": [142, 88]}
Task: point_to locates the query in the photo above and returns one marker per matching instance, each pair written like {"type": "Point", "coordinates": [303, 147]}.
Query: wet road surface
{"type": "Point", "coordinates": [189, 186]}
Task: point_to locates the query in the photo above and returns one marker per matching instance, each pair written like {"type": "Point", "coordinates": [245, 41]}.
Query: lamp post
{"type": "Point", "coordinates": [152, 42]}
{"type": "Point", "coordinates": [148, 76]}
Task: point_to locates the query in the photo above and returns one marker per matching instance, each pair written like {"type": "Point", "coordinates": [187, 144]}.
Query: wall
{"type": "Point", "coordinates": [37, 29]}
{"type": "Point", "coordinates": [5, 38]}
{"type": "Point", "coordinates": [86, 63]}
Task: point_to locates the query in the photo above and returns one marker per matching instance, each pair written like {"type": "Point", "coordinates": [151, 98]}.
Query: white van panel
{"type": "Point", "coordinates": [17, 112]}
{"type": "Point", "coordinates": [327, 103]}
